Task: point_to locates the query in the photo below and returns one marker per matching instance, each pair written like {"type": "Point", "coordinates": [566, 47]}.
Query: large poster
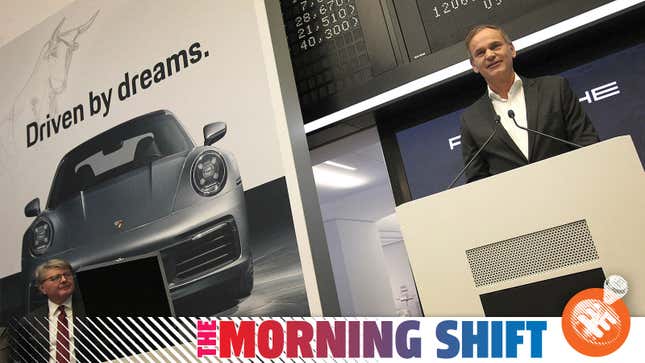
{"type": "Point", "coordinates": [147, 126]}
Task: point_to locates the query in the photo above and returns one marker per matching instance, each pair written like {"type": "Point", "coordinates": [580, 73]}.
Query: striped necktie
{"type": "Point", "coordinates": [62, 337]}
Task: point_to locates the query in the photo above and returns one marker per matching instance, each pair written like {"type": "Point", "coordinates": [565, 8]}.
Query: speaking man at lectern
{"type": "Point", "coordinates": [533, 118]}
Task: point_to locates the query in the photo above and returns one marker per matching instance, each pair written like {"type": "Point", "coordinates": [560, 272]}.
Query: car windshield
{"type": "Point", "coordinates": [126, 147]}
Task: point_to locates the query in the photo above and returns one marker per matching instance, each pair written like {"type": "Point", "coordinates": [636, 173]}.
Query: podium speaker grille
{"type": "Point", "coordinates": [533, 253]}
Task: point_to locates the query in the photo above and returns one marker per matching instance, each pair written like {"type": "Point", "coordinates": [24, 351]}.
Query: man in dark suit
{"type": "Point", "coordinates": [545, 104]}
{"type": "Point", "coordinates": [49, 334]}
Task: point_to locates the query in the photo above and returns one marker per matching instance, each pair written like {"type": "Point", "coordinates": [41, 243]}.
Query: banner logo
{"type": "Point", "coordinates": [119, 224]}
{"type": "Point", "coordinates": [596, 321]}
{"type": "Point", "coordinates": [601, 92]}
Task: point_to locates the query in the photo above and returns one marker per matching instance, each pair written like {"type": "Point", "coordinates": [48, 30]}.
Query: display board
{"type": "Point", "coordinates": [346, 51]}
{"type": "Point", "coordinates": [448, 21]}
{"type": "Point", "coordinates": [328, 49]}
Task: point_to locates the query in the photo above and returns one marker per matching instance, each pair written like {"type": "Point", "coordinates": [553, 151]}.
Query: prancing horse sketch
{"type": "Point", "coordinates": [38, 97]}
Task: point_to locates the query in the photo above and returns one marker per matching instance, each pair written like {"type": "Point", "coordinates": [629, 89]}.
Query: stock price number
{"type": "Point", "coordinates": [447, 7]}
{"type": "Point", "coordinates": [321, 20]}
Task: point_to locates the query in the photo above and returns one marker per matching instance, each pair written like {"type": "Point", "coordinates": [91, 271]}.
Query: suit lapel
{"type": "Point", "coordinates": [37, 342]}
{"type": "Point", "coordinates": [531, 100]}
{"type": "Point", "coordinates": [488, 113]}
{"type": "Point", "coordinates": [78, 307]}
{"type": "Point", "coordinates": [38, 324]}
{"type": "Point", "coordinates": [43, 335]}
{"type": "Point", "coordinates": [486, 110]}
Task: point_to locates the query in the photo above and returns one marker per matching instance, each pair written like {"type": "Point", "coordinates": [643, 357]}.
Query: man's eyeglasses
{"type": "Point", "coordinates": [56, 278]}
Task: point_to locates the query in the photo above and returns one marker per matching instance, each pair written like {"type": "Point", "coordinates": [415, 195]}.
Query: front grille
{"type": "Point", "coordinates": [202, 250]}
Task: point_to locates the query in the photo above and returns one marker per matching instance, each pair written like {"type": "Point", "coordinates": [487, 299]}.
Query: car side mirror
{"type": "Point", "coordinates": [32, 209]}
{"type": "Point", "coordinates": [213, 132]}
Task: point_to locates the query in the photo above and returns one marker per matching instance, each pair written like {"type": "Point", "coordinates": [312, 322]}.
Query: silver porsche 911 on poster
{"type": "Point", "coordinates": [141, 187]}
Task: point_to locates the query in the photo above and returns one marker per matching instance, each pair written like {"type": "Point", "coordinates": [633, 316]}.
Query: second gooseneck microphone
{"type": "Point", "coordinates": [511, 114]}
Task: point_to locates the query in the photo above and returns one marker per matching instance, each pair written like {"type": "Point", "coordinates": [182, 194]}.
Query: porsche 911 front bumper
{"type": "Point", "coordinates": [203, 245]}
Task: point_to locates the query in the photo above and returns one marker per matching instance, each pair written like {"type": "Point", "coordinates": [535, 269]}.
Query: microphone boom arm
{"type": "Point", "coordinates": [497, 123]}
{"type": "Point", "coordinates": [511, 114]}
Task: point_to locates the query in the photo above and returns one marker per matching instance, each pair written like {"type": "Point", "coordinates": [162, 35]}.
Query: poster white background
{"type": "Point", "coordinates": [229, 85]}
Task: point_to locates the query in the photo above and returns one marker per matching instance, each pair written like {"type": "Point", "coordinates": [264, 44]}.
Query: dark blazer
{"type": "Point", "coordinates": [30, 336]}
{"type": "Point", "coordinates": [551, 107]}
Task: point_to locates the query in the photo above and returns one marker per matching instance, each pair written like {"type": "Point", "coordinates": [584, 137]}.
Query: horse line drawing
{"type": "Point", "coordinates": [38, 98]}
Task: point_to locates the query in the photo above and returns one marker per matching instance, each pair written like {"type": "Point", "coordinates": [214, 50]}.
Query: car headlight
{"type": "Point", "coordinates": [208, 173]}
{"type": "Point", "coordinates": [43, 234]}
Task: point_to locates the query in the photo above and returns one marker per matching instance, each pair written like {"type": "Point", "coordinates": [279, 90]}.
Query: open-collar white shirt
{"type": "Point", "coordinates": [517, 103]}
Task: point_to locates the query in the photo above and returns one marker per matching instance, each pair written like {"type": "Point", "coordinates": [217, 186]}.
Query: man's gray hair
{"type": "Point", "coordinates": [39, 274]}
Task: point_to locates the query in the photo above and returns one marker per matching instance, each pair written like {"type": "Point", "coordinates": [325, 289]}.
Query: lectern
{"type": "Point", "coordinates": [521, 243]}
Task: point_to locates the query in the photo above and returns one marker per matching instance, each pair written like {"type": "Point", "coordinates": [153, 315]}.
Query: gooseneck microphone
{"type": "Point", "coordinates": [511, 114]}
{"type": "Point", "coordinates": [497, 123]}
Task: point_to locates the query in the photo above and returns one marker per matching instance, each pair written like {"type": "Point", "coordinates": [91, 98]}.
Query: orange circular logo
{"type": "Point", "coordinates": [593, 325]}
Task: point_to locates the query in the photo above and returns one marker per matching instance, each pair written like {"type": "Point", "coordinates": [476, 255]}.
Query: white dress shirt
{"type": "Point", "coordinates": [517, 103]}
{"type": "Point", "coordinates": [53, 328]}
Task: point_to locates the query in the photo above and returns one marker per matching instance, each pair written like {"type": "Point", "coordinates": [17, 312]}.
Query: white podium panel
{"type": "Point", "coordinates": [576, 212]}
